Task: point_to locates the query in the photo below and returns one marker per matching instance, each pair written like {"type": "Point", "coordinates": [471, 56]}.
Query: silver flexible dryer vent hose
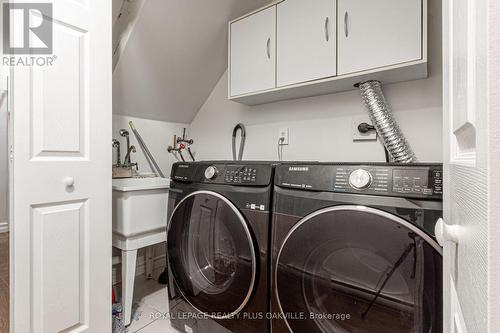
{"type": "Point", "coordinates": [385, 124]}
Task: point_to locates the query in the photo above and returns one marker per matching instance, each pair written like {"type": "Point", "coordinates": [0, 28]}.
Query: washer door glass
{"type": "Point", "coordinates": [357, 269]}
{"type": "Point", "coordinates": [211, 254]}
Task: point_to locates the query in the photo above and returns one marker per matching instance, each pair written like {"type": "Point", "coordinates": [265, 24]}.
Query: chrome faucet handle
{"type": "Point", "coordinates": [127, 161]}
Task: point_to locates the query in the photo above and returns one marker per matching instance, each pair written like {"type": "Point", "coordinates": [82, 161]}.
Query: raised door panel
{"type": "Point", "coordinates": [465, 89]}
{"type": "Point", "coordinates": [60, 267]}
{"type": "Point", "coordinates": [306, 40]}
{"type": "Point", "coordinates": [60, 97]}
{"type": "Point", "coordinates": [378, 33]}
{"type": "Point", "coordinates": [252, 53]}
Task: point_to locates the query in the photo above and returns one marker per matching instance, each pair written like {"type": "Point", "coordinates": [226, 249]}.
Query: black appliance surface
{"type": "Point", "coordinates": [218, 246]}
{"type": "Point", "coordinates": [353, 248]}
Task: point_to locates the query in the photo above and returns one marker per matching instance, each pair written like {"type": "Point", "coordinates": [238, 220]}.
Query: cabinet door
{"type": "Point", "coordinates": [378, 33]}
{"type": "Point", "coordinates": [253, 57]}
{"type": "Point", "coordinates": [306, 40]}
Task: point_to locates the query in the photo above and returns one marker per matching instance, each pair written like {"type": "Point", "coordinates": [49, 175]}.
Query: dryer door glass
{"type": "Point", "coordinates": [211, 254]}
{"type": "Point", "coordinates": [358, 269]}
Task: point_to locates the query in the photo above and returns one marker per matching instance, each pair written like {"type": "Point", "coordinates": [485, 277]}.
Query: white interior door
{"type": "Point", "coordinates": [377, 33]}
{"type": "Point", "coordinates": [253, 53]}
{"type": "Point", "coordinates": [61, 230]}
{"type": "Point", "coordinates": [306, 40]}
{"type": "Point", "coordinates": [470, 232]}
{"type": "Point", "coordinates": [4, 164]}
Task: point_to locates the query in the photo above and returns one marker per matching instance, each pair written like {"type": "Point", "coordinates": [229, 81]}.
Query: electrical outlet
{"type": "Point", "coordinates": [357, 135]}
{"type": "Point", "coordinates": [283, 135]}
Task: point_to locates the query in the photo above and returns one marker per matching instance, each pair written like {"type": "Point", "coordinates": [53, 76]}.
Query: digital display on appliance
{"type": "Point", "coordinates": [410, 178]}
{"type": "Point", "coordinates": [183, 171]}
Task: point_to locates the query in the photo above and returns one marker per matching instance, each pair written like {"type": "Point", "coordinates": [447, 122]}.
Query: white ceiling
{"type": "Point", "coordinates": [174, 57]}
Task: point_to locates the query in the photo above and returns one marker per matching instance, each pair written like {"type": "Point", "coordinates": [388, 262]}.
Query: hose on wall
{"type": "Point", "coordinates": [382, 118]}
{"type": "Point", "coordinates": [241, 128]}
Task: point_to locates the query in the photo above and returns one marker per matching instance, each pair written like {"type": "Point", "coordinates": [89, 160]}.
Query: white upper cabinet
{"type": "Point", "coordinates": [306, 40]}
{"type": "Point", "coordinates": [300, 48]}
{"type": "Point", "coordinates": [378, 33]}
{"type": "Point", "coordinates": [253, 53]}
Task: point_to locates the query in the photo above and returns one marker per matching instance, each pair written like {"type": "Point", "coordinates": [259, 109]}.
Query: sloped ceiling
{"type": "Point", "coordinates": [174, 57]}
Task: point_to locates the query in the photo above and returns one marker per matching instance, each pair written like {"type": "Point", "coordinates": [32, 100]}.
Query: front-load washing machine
{"type": "Point", "coordinates": [353, 248]}
{"type": "Point", "coordinates": [218, 246]}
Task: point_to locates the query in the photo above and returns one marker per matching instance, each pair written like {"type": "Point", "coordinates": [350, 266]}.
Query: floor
{"type": "Point", "coordinates": [150, 305]}
{"type": "Point", "coordinates": [150, 300]}
{"type": "Point", "coordinates": [4, 282]}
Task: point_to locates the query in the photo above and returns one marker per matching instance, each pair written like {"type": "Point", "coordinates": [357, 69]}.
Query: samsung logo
{"type": "Point", "coordinates": [183, 166]}
{"type": "Point", "coordinates": [298, 169]}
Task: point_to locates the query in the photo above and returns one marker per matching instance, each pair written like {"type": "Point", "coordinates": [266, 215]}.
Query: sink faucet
{"type": "Point", "coordinates": [116, 144]}
{"type": "Point", "coordinates": [130, 150]}
{"type": "Point", "coordinates": [124, 133]}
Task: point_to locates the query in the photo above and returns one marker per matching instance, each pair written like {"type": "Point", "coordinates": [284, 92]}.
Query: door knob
{"type": "Point", "coordinates": [69, 181]}
{"type": "Point", "coordinates": [446, 233]}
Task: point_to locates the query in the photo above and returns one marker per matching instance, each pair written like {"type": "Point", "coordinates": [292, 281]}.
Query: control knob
{"type": "Point", "coordinates": [211, 172]}
{"type": "Point", "coordinates": [360, 179]}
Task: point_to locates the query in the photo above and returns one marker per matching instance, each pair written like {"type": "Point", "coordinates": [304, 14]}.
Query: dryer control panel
{"type": "Point", "coordinates": [405, 180]}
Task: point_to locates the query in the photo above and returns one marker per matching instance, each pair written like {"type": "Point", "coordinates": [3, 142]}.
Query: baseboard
{"type": "Point", "coordinates": [4, 227]}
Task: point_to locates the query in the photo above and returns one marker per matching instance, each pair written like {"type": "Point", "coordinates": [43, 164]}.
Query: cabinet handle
{"type": "Point", "coordinates": [327, 30]}
{"type": "Point", "coordinates": [346, 26]}
{"type": "Point", "coordinates": [268, 48]}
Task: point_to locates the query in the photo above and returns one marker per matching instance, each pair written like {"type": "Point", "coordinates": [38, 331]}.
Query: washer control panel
{"type": "Point", "coordinates": [236, 173]}
{"type": "Point", "coordinates": [362, 179]}
{"type": "Point", "coordinates": [241, 174]}
{"type": "Point", "coordinates": [412, 180]}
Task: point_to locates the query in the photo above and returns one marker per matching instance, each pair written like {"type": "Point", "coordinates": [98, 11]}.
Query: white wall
{"type": "Point", "coordinates": [173, 56]}
{"type": "Point", "coordinates": [158, 135]}
{"type": "Point", "coordinates": [320, 127]}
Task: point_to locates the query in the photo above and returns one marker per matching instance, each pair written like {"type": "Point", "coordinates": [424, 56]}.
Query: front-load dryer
{"type": "Point", "coordinates": [218, 240]}
{"type": "Point", "coordinates": [353, 249]}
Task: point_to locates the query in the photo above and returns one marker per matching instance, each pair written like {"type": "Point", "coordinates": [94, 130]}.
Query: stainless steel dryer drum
{"type": "Point", "coordinates": [384, 122]}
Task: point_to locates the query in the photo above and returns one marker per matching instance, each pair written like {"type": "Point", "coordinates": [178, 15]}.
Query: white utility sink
{"type": "Point", "coordinates": [139, 221]}
{"type": "Point", "coordinates": [139, 206]}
